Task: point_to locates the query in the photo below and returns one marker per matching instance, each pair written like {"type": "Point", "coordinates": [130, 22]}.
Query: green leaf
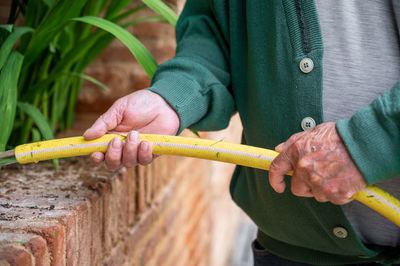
{"type": "Point", "coordinates": [115, 7]}
{"type": "Point", "coordinates": [38, 118]}
{"type": "Point", "coordinates": [9, 43]}
{"type": "Point", "coordinates": [8, 95]}
{"type": "Point", "coordinates": [145, 19]}
{"type": "Point", "coordinates": [35, 135]}
{"type": "Point", "coordinates": [195, 132]}
{"type": "Point", "coordinates": [7, 27]}
{"type": "Point", "coordinates": [50, 26]}
{"type": "Point", "coordinates": [90, 79]}
{"type": "Point", "coordinates": [144, 57]}
{"type": "Point", "coordinates": [49, 3]}
{"type": "Point", "coordinates": [6, 161]}
{"type": "Point", "coordinates": [127, 13]}
{"type": "Point", "coordinates": [163, 10]}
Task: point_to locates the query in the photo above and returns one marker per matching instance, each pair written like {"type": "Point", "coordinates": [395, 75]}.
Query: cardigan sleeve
{"type": "Point", "coordinates": [196, 81]}
{"type": "Point", "coordinates": [372, 137]}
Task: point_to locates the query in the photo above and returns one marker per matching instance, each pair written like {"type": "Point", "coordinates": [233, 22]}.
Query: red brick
{"type": "Point", "coordinates": [130, 194]}
{"type": "Point", "coordinates": [96, 229]}
{"type": "Point", "coordinates": [55, 243]}
{"type": "Point", "coordinates": [116, 256]}
{"type": "Point", "coordinates": [141, 192]}
{"type": "Point", "coordinates": [15, 256]}
{"type": "Point", "coordinates": [34, 244]}
{"type": "Point", "coordinates": [38, 248]}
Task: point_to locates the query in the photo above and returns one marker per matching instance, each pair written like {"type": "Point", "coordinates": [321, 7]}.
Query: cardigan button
{"type": "Point", "coordinates": [340, 232]}
{"type": "Point", "coordinates": [308, 123]}
{"type": "Point", "coordinates": [306, 65]}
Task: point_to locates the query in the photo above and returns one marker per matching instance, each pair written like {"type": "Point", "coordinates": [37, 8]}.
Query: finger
{"type": "Point", "coordinates": [106, 122]}
{"type": "Point", "coordinates": [129, 155]}
{"type": "Point", "coordinates": [341, 201]}
{"type": "Point", "coordinates": [97, 157]}
{"type": "Point", "coordinates": [279, 148]}
{"type": "Point", "coordinates": [114, 154]}
{"type": "Point", "coordinates": [285, 145]}
{"type": "Point", "coordinates": [299, 187]}
{"type": "Point", "coordinates": [337, 194]}
{"type": "Point", "coordinates": [279, 167]}
{"type": "Point", "coordinates": [145, 155]}
{"type": "Point", "coordinates": [299, 180]}
{"type": "Point", "coordinates": [319, 196]}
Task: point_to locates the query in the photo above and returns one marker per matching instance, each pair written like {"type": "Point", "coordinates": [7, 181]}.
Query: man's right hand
{"type": "Point", "coordinates": [142, 111]}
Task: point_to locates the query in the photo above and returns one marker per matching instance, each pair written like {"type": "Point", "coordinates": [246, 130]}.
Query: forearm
{"type": "Point", "coordinates": [196, 81]}
{"type": "Point", "coordinates": [372, 137]}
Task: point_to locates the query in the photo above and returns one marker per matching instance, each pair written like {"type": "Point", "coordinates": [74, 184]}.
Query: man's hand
{"type": "Point", "coordinates": [321, 165]}
{"type": "Point", "coordinates": [142, 111]}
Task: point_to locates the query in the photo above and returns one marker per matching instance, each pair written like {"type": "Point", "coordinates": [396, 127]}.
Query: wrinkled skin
{"type": "Point", "coordinates": [142, 111]}
{"type": "Point", "coordinates": [322, 167]}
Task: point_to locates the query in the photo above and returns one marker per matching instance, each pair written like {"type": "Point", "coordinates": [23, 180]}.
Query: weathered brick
{"type": "Point", "coordinates": [16, 256]}
{"type": "Point", "coordinates": [34, 244]}
{"type": "Point", "coordinates": [52, 232]}
{"type": "Point", "coordinates": [131, 192]}
{"type": "Point", "coordinates": [141, 192]}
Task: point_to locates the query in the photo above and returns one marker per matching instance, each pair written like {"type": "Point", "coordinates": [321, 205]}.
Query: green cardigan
{"type": "Point", "coordinates": [238, 55]}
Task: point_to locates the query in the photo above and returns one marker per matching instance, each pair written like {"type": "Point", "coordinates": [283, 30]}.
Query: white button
{"type": "Point", "coordinates": [306, 65]}
{"type": "Point", "coordinates": [308, 123]}
{"type": "Point", "coordinates": [340, 232]}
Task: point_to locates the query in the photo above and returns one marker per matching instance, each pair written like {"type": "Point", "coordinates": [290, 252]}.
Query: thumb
{"type": "Point", "coordinates": [106, 122]}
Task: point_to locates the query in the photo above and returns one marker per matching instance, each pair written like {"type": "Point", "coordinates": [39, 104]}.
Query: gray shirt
{"type": "Point", "coordinates": [361, 61]}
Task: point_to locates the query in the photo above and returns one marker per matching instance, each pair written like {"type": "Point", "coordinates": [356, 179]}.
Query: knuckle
{"type": "Point", "coordinates": [129, 164]}
{"type": "Point", "coordinates": [305, 163]}
{"type": "Point", "coordinates": [297, 146]}
{"type": "Point", "coordinates": [320, 198]}
{"type": "Point", "coordinates": [147, 160]}
{"type": "Point", "coordinates": [293, 138]}
{"type": "Point", "coordinates": [106, 121]}
{"type": "Point", "coordinates": [111, 165]}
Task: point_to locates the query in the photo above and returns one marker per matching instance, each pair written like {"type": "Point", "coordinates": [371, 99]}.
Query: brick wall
{"type": "Point", "coordinates": [81, 215]}
{"type": "Point", "coordinates": [176, 211]}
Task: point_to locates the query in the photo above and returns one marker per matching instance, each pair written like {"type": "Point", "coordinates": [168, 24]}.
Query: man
{"type": "Point", "coordinates": [264, 59]}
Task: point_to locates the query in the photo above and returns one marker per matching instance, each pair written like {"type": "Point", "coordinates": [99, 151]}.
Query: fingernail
{"type": "Point", "coordinates": [144, 146]}
{"type": "Point", "coordinates": [86, 132]}
{"type": "Point", "coordinates": [97, 157]}
{"type": "Point", "coordinates": [133, 136]}
{"type": "Point", "coordinates": [279, 147]}
{"type": "Point", "coordinates": [117, 143]}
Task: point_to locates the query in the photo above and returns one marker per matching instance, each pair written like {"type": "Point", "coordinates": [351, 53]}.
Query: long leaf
{"type": "Point", "coordinates": [8, 95]}
{"type": "Point", "coordinates": [8, 44]}
{"type": "Point", "coordinates": [163, 10]}
{"type": "Point", "coordinates": [140, 52]}
{"type": "Point", "coordinates": [49, 3]}
{"type": "Point", "coordinates": [50, 27]}
{"type": "Point", "coordinates": [115, 7]}
{"type": "Point", "coordinates": [128, 13]}
{"type": "Point", "coordinates": [38, 118]}
{"type": "Point", "coordinates": [6, 161]}
{"type": "Point", "coordinates": [7, 27]}
{"type": "Point", "coordinates": [90, 79]}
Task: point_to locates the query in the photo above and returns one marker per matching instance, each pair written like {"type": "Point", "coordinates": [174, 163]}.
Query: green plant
{"type": "Point", "coordinates": [40, 76]}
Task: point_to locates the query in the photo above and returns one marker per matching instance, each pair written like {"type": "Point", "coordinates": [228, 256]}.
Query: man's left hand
{"type": "Point", "coordinates": [322, 167]}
